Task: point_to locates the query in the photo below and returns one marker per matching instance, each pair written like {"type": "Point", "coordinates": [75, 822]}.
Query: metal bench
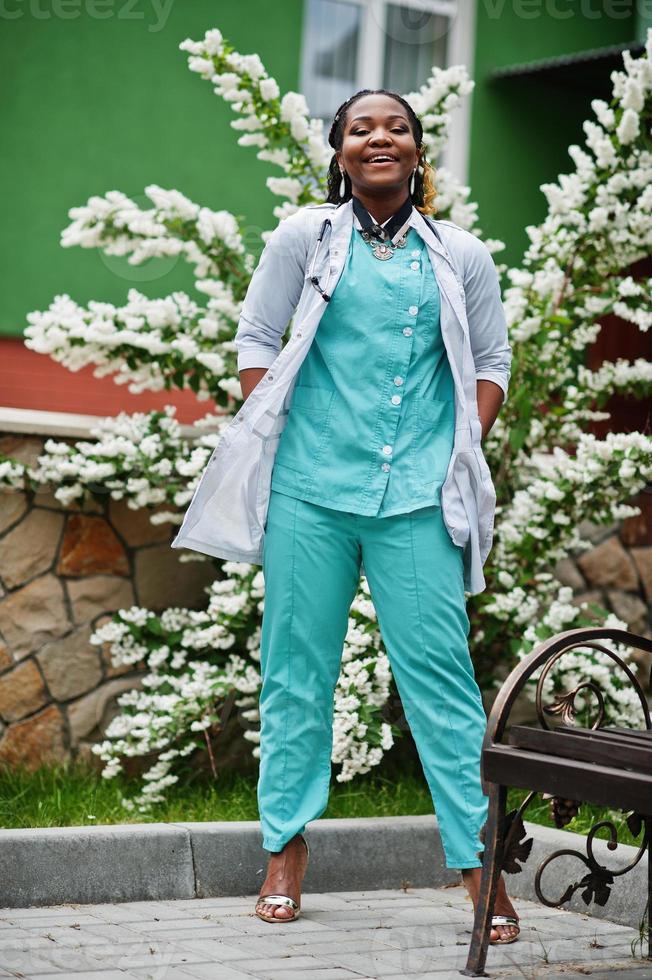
{"type": "Point", "coordinates": [606, 766]}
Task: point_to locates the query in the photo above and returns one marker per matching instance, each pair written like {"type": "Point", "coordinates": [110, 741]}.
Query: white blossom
{"type": "Point", "coordinates": [575, 271]}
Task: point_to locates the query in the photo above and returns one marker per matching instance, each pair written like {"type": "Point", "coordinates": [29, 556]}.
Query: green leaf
{"type": "Point", "coordinates": [516, 438]}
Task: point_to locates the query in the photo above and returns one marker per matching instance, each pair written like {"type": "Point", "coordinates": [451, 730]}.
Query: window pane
{"type": "Point", "coordinates": [415, 40]}
{"type": "Point", "coordinates": [330, 54]}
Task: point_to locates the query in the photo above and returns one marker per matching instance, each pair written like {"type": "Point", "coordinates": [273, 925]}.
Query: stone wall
{"type": "Point", "coordinates": [62, 572]}
{"type": "Point", "coordinates": [617, 573]}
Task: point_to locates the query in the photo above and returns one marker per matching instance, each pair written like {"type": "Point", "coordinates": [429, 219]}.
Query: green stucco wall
{"type": "Point", "coordinates": [97, 97]}
{"type": "Point", "coordinates": [521, 128]}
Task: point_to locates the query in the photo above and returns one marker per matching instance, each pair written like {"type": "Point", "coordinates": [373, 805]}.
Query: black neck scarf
{"type": "Point", "coordinates": [385, 232]}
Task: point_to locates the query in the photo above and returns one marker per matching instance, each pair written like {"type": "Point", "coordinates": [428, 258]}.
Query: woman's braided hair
{"type": "Point", "coordinates": [424, 183]}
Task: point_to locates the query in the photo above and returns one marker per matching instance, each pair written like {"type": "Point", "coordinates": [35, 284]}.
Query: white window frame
{"type": "Point", "coordinates": [460, 50]}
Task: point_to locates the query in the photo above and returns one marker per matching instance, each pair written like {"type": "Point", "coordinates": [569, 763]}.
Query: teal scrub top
{"type": "Point", "coordinates": [371, 421]}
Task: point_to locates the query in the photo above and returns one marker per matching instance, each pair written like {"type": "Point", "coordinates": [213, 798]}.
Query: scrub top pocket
{"type": "Point", "coordinates": [434, 436]}
{"type": "Point", "coordinates": [305, 433]}
{"type": "Point", "coordinates": [311, 397]}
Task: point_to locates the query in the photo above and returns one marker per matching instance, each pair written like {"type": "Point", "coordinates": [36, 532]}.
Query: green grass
{"type": "Point", "coordinates": [76, 795]}
{"type": "Point", "coordinates": [538, 812]}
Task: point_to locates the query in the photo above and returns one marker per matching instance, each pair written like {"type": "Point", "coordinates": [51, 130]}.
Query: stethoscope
{"type": "Point", "coordinates": [313, 278]}
{"type": "Point", "coordinates": [327, 221]}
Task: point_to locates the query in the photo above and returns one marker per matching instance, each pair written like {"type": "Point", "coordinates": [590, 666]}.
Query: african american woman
{"type": "Point", "coordinates": [357, 450]}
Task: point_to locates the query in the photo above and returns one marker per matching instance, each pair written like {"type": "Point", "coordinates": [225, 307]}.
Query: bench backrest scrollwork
{"type": "Point", "coordinates": [548, 653]}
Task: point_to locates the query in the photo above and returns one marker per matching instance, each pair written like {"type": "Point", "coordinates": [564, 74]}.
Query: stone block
{"type": "Point", "coordinates": [90, 597]}
{"type": "Point", "coordinates": [88, 713]}
{"type": "Point", "coordinates": [643, 661]}
{"type": "Point", "coordinates": [13, 504]}
{"type": "Point", "coordinates": [629, 608]}
{"type": "Point", "coordinates": [71, 666]}
{"type": "Point", "coordinates": [161, 580]}
{"type": "Point", "coordinates": [33, 615]}
{"type": "Point", "coordinates": [24, 449]}
{"type": "Point", "coordinates": [35, 741]}
{"type": "Point", "coordinates": [566, 572]}
{"type": "Point", "coordinates": [21, 691]}
{"type": "Point", "coordinates": [609, 565]}
{"type": "Point", "coordinates": [135, 527]}
{"type": "Point", "coordinates": [29, 548]}
{"type": "Point", "coordinates": [596, 533]}
{"type": "Point", "coordinates": [109, 669]}
{"type": "Point", "coordinates": [643, 561]}
{"type": "Point", "coordinates": [637, 531]}
{"type": "Point", "coordinates": [593, 595]}
{"type": "Point", "coordinates": [90, 546]}
{"type": "Point", "coordinates": [6, 660]}
{"type": "Point", "coordinates": [106, 656]}
{"type": "Point", "coordinates": [44, 497]}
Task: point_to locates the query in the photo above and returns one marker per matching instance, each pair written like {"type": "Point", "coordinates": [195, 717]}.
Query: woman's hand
{"type": "Point", "coordinates": [249, 378]}
{"type": "Point", "coordinates": [490, 399]}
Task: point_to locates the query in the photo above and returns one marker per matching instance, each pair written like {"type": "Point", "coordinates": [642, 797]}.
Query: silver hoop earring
{"type": "Point", "coordinates": [412, 181]}
{"type": "Point", "coordinates": [342, 185]}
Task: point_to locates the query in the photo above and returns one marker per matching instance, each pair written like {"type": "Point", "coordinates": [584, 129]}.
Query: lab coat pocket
{"type": "Point", "coordinates": [434, 438]}
{"type": "Point", "coordinates": [219, 519]}
{"type": "Point", "coordinates": [486, 496]}
{"type": "Point", "coordinates": [268, 428]}
{"type": "Point", "coordinates": [268, 450]}
{"type": "Point", "coordinates": [486, 492]}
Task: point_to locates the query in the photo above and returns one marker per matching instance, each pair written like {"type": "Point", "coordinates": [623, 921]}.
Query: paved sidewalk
{"type": "Point", "coordinates": [418, 933]}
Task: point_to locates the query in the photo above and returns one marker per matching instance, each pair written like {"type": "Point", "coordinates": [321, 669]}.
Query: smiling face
{"type": "Point", "coordinates": [378, 126]}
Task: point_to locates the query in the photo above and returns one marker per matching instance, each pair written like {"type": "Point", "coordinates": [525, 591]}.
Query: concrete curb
{"type": "Point", "coordinates": [156, 861]}
{"type": "Point", "coordinates": [120, 863]}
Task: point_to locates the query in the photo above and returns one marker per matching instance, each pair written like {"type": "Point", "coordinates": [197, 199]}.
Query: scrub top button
{"type": "Point", "coordinates": [414, 265]}
{"type": "Point", "coordinates": [413, 310]}
{"type": "Point", "coordinates": [415, 253]}
{"type": "Point", "coordinates": [387, 450]}
{"type": "Point", "coordinates": [398, 380]}
{"type": "Point", "coordinates": [407, 331]}
{"type": "Point", "coordinates": [386, 467]}
{"type": "Point", "coordinates": [396, 399]}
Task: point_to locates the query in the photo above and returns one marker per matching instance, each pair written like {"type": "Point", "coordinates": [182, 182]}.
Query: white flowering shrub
{"type": "Point", "coordinates": [550, 474]}
{"type": "Point", "coordinates": [195, 659]}
{"type": "Point", "coordinates": [582, 666]}
{"type": "Point", "coordinates": [141, 458]}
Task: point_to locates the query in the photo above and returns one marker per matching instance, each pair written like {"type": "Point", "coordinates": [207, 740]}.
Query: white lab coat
{"type": "Point", "coordinates": [227, 515]}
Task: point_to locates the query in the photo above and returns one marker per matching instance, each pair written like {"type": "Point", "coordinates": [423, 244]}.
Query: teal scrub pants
{"type": "Point", "coordinates": [311, 567]}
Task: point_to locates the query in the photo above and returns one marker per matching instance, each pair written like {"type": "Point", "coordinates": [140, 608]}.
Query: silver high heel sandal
{"type": "Point", "coordinates": [281, 900]}
{"type": "Point", "coordinates": [504, 920]}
